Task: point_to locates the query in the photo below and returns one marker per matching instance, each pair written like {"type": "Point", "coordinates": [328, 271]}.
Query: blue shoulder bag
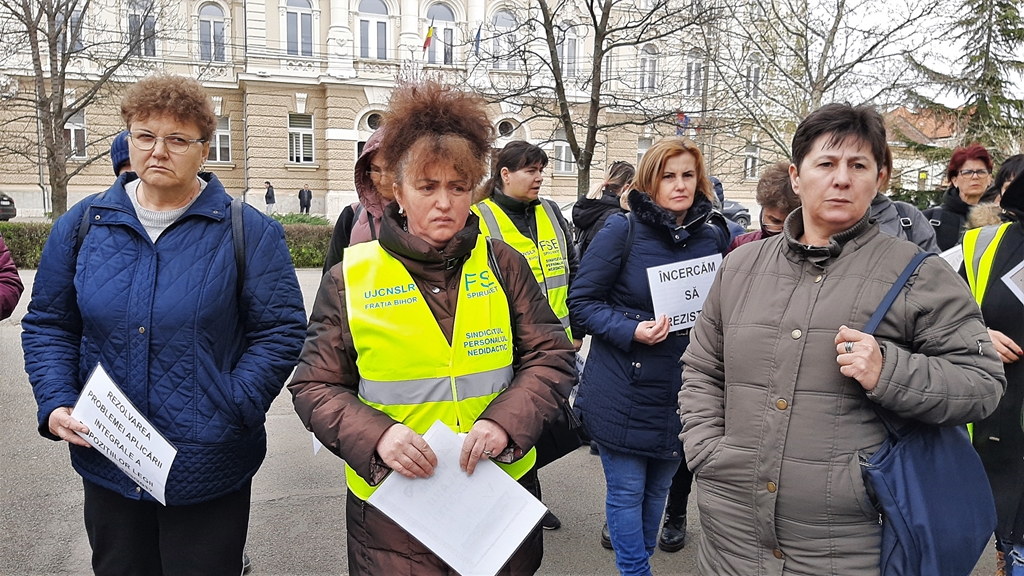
{"type": "Point", "coordinates": [930, 488]}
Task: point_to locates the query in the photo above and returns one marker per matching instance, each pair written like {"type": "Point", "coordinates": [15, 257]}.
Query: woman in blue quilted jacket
{"type": "Point", "coordinates": [198, 340]}
{"type": "Point", "coordinates": [628, 389]}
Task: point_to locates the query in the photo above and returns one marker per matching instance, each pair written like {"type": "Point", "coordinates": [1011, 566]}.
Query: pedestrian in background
{"type": "Point", "coordinates": [371, 380]}
{"type": "Point", "coordinates": [120, 157]}
{"type": "Point", "coordinates": [631, 377]}
{"type": "Point", "coordinates": [998, 438]}
{"type": "Point", "coordinates": [778, 383]}
{"type": "Point", "coordinates": [152, 292]}
{"type": "Point", "coordinates": [11, 286]}
{"type": "Point", "coordinates": [969, 174]}
{"type": "Point", "coordinates": [901, 219]}
{"type": "Point", "coordinates": [305, 199]}
{"type": "Point", "coordinates": [269, 197]}
{"type": "Point", "coordinates": [777, 200]}
{"type": "Point", "coordinates": [590, 213]}
{"type": "Point", "coordinates": [990, 213]}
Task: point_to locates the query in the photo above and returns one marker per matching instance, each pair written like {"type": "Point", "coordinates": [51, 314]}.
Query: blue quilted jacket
{"type": "Point", "coordinates": [628, 391]}
{"type": "Point", "coordinates": [165, 322]}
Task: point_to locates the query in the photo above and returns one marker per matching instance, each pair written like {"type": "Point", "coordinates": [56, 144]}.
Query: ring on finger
{"type": "Point", "coordinates": [849, 347]}
{"type": "Point", "coordinates": [487, 453]}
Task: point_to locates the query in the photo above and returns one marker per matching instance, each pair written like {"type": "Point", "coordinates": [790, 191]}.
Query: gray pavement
{"type": "Point", "coordinates": [297, 525]}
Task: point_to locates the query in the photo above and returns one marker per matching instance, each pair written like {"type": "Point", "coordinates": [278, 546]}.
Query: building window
{"type": "Point", "coordinates": [642, 146]}
{"type": "Point", "coordinates": [750, 162]}
{"type": "Point", "coordinates": [74, 135]}
{"type": "Point", "coordinates": [373, 121]}
{"type": "Point", "coordinates": [72, 33]}
{"type": "Point", "coordinates": [211, 33]}
{"type": "Point", "coordinates": [373, 29]}
{"type": "Point", "coordinates": [694, 74]}
{"type": "Point", "coordinates": [300, 138]}
{"type": "Point", "coordinates": [648, 69]}
{"type": "Point", "coordinates": [506, 128]}
{"type": "Point", "coordinates": [564, 161]}
{"type": "Point", "coordinates": [567, 52]}
{"type": "Point", "coordinates": [752, 79]}
{"type": "Point", "coordinates": [299, 19]}
{"type": "Point", "coordinates": [220, 144]}
{"type": "Point", "coordinates": [141, 29]}
{"type": "Point", "coordinates": [442, 43]}
{"type": "Point", "coordinates": [504, 41]}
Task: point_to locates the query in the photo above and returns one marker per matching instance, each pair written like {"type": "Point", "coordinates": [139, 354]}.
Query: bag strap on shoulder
{"type": "Point", "coordinates": [628, 246]}
{"type": "Point", "coordinates": [905, 221]}
{"type": "Point", "coordinates": [890, 297]}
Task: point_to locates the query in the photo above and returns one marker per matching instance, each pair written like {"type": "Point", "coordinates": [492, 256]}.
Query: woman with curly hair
{"type": "Point", "coordinates": [390, 347]}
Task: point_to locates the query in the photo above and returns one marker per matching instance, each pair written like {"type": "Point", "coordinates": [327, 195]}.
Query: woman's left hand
{"type": "Point", "coordinates": [485, 440]}
{"type": "Point", "coordinates": [859, 357]}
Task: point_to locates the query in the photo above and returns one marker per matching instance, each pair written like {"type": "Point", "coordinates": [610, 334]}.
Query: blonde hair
{"type": "Point", "coordinates": [648, 174]}
{"type": "Point", "coordinates": [618, 177]}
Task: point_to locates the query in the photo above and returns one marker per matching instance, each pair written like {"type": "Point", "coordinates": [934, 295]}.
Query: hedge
{"type": "Point", "coordinates": [306, 242]}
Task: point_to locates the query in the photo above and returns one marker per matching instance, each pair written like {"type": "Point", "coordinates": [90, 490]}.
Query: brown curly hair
{"type": "Point", "coordinates": [184, 99]}
{"type": "Point", "coordinates": [775, 190]}
{"type": "Point", "coordinates": [429, 122]}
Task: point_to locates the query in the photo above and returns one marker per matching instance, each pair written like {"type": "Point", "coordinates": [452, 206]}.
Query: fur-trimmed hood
{"type": "Point", "coordinates": [702, 211]}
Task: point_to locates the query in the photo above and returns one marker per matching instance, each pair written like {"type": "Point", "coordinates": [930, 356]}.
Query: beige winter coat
{"type": "Point", "coordinates": [771, 427]}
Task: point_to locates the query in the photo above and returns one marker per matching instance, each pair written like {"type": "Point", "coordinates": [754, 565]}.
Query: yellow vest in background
{"type": "Point", "coordinates": [407, 369]}
{"type": "Point", "coordinates": [980, 245]}
{"type": "Point", "coordinates": [548, 256]}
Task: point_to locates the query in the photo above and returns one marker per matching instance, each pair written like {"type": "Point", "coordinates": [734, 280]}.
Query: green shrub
{"type": "Point", "coordinates": [25, 240]}
{"type": "Point", "coordinates": [306, 243]}
{"type": "Point", "coordinates": [301, 219]}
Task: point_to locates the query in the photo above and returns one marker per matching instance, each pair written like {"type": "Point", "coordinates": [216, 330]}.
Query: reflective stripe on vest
{"type": "Point", "coordinates": [407, 368]}
{"type": "Point", "coordinates": [980, 245]}
{"type": "Point", "coordinates": [550, 264]}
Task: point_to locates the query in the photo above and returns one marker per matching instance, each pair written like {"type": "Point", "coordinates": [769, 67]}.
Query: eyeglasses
{"type": "Point", "coordinates": [145, 141]}
{"type": "Point", "coordinates": [972, 173]}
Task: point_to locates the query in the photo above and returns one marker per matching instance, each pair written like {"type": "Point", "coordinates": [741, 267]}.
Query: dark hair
{"type": "Point", "coordinates": [1008, 170]}
{"type": "Point", "coordinates": [962, 154]}
{"type": "Point", "coordinates": [620, 173]}
{"type": "Point", "coordinates": [267, 182]}
{"type": "Point", "coordinates": [515, 156]}
{"type": "Point", "coordinates": [430, 122]}
{"type": "Point", "coordinates": [775, 190]}
{"type": "Point", "coordinates": [839, 122]}
{"type": "Point", "coordinates": [181, 98]}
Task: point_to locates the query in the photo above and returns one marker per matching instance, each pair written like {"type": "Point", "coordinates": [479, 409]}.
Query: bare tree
{"type": "Point", "coordinates": [551, 59]}
{"type": "Point", "coordinates": [70, 54]}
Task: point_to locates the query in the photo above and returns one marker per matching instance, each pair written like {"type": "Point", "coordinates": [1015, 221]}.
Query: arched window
{"type": "Point", "coordinates": [648, 69]}
{"type": "Point", "coordinates": [694, 73]}
{"type": "Point", "coordinates": [567, 51]}
{"type": "Point", "coordinates": [373, 29]}
{"type": "Point", "coordinates": [211, 33]}
{"type": "Point", "coordinates": [443, 40]}
{"type": "Point", "coordinates": [299, 19]}
{"type": "Point", "coordinates": [504, 40]}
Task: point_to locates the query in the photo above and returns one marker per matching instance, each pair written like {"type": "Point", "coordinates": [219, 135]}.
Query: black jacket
{"type": "Point", "coordinates": [950, 218]}
{"type": "Point", "coordinates": [589, 216]}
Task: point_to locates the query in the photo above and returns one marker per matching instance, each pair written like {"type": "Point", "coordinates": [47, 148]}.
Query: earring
{"type": "Point", "coordinates": [401, 210]}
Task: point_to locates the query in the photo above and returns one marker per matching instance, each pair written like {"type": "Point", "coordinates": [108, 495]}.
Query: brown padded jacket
{"type": "Point", "coordinates": [325, 384]}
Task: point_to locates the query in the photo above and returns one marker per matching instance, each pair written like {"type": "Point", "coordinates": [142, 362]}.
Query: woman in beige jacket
{"type": "Point", "coordinates": [778, 382]}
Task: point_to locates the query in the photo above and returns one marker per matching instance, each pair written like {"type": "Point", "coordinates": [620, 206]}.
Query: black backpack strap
{"type": "Point", "coordinates": [905, 222]}
{"type": "Point", "coordinates": [631, 227]}
{"type": "Point", "coordinates": [83, 226]}
{"type": "Point", "coordinates": [238, 239]}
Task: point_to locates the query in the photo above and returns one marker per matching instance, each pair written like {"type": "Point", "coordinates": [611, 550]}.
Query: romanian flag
{"type": "Point", "coordinates": [430, 35]}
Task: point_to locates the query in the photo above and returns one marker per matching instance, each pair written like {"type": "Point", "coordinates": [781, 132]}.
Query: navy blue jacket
{"type": "Point", "coordinates": [628, 391]}
{"type": "Point", "coordinates": [166, 324]}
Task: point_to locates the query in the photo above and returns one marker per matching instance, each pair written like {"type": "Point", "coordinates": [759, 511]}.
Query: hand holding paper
{"type": "Point", "coordinates": [63, 426]}
{"type": "Point", "coordinates": [406, 452]}
{"type": "Point", "coordinates": [485, 440]}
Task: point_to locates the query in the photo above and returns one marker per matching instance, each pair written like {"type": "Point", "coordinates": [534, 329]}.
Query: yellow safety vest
{"type": "Point", "coordinates": [980, 245]}
{"type": "Point", "coordinates": [550, 264]}
{"type": "Point", "coordinates": [407, 369]}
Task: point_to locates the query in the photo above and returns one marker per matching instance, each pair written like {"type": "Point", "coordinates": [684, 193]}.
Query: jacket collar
{"type": "Point", "coordinates": [794, 229]}
{"type": "Point", "coordinates": [212, 203]}
{"type": "Point", "coordinates": [510, 204]}
{"type": "Point", "coordinates": [401, 244]}
{"type": "Point", "coordinates": [647, 211]}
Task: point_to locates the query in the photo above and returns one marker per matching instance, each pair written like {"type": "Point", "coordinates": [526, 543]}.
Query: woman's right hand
{"type": "Point", "coordinates": [63, 426]}
{"type": "Point", "coordinates": [406, 452]}
{"type": "Point", "coordinates": [1008, 350]}
{"type": "Point", "coordinates": [651, 332]}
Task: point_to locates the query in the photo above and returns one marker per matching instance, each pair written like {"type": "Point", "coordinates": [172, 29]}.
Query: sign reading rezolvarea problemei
{"type": "Point", "coordinates": [679, 289]}
{"type": "Point", "coordinates": [119, 431]}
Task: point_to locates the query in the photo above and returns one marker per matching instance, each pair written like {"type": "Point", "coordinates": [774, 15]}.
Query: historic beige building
{"type": "Point", "coordinates": [299, 85]}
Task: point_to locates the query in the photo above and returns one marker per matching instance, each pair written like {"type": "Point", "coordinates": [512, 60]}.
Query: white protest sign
{"type": "Point", "coordinates": [679, 289]}
{"type": "Point", "coordinates": [954, 256]}
{"type": "Point", "coordinates": [119, 431]}
{"type": "Point", "coordinates": [1014, 280]}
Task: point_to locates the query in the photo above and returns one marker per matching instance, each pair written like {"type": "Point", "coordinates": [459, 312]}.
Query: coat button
{"type": "Point", "coordinates": [675, 454]}
{"type": "Point", "coordinates": [772, 487]}
{"type": "Point", "coordinates": [796, 334]}
{"type": "Point", "coordinates": [142, 329]}
{"type": "Point", "coordinates": [138, 489]}
{"type": "Point", "coordinates": [818, 278]}
{"type": "Point", "coordinates": [778, 554]}
{"type": "Point", "coordinates": [96, 217]}
{"type": "Point", "coordinates": [637, 364]}
{"type": "Point", "coordinates": [781, 404]}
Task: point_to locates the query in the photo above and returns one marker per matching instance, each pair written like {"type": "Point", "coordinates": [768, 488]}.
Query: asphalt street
{"type": "Point", "coordinates": [297, 523]}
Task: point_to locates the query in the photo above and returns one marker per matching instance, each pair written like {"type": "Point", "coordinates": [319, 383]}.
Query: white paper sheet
{"type": "Point", "coordinates": [954, 256]}
{"type": "Point", "coordinates": [119, 431]}
{"type": "Point", "coordinates": [1014, 280]}
{"type": "Point", "coordinates": [474, 523]}
{"type": "Point", "coordinates": [678, 290]}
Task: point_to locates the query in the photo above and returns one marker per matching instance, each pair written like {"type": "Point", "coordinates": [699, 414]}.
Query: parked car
{"type": "Point", "coordinates": [736, 212]}
{"type": "Point", "coordinates": [7, 209]}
